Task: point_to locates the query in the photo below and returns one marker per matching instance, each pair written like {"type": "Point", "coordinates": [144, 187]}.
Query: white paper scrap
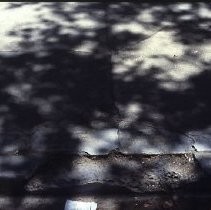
{"type": "Point", "coordinates": [79, 205]}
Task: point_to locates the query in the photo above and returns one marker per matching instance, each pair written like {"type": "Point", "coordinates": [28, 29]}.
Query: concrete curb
{"type": "Point", "coordinates": [158, 202]}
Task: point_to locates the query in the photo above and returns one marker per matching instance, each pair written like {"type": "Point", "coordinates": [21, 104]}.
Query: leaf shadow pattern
{"type": "Point", "coordinates": [63, 74]}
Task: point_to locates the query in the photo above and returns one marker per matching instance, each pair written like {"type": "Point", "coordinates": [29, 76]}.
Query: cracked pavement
{"type": "Point", "coordinates": [131, 84]}
{"type": "Point", "coordinates": [94, 85]}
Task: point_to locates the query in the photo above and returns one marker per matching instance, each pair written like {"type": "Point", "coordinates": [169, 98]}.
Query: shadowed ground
{"type": "Point", "coordinates": [99, 78]}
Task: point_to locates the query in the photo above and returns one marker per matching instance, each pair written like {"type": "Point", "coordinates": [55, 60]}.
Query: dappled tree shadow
{"type": "Point", "coordinates": [63, 75]}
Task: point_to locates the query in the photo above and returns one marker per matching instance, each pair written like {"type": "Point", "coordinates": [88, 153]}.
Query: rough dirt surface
{"type": "Point", "coordinates": [114, 172]}
{"type": "Point", "coordinates": [115, 182]}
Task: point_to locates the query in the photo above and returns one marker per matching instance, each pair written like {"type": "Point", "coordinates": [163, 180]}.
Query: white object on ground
{"type": "Point", "coordinates": [79, 205]}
